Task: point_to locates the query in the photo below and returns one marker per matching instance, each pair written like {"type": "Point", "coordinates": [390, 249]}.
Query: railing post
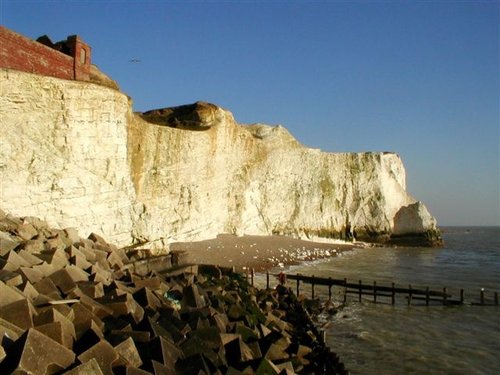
{"type": "Point", "coordinates": [427, 296]}
{"type": "Point", "coordinates": [481, 296]}
{"type": "Point", "coordinates": [444, 296]}
{"type": "Point", "coordinates": [329, 289]}
{"type": "Point", "coordinates": [298, 284]}
{"type": "Point", "coordinates": [409, 295]}
{"type": "Point", "coordinates": [267, 280]}
{"type": "Point", "coordinates": [312, 287]}
{"type": "Point", "coordinates": [359, 291]}
{"type": "Point", "coordinates": [461, 296]}
{"type": "Point", "coordinates": [374, 292]}
{"type": "Point", "coordinates": [323, 335]}
{"type": "Point", "coordinates": [393, 297]}
{"type": "Point", "coordinates": [345, 290]}
{"type": "Point", "coordinates": [252, 274]}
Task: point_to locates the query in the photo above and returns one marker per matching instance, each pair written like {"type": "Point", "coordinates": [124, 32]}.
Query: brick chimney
{"type": "Point", "coordinates": [81, 53]}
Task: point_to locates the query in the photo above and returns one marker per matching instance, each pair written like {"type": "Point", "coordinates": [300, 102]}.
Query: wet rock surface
{"type": "Point", "coordinates": [83, 306]}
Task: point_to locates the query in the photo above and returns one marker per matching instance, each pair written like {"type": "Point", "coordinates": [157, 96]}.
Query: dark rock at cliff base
{"type": "Point", "coordinates": [427, 239]}
{"type": "Point", "coordinates": [196, 116]}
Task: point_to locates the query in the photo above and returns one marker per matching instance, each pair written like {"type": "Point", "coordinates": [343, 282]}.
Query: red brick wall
{"type": "Point", "coordinates": [21, 53]}
{"type": "Point", "coordinates": [81, 53]}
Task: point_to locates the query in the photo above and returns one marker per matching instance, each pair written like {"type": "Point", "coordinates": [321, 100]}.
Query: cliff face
{"type": "Point", "coordinates": [74, 154]}
{"type": "Point", "coordinates": [63, 154]}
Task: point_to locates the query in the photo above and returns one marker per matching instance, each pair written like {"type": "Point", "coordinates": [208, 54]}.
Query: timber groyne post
{"type": "Point", "coordinates": [376, 291]}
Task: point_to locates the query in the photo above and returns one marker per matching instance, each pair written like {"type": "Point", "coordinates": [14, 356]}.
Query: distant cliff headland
{"type": "Point", "coordinates": [73, 153]}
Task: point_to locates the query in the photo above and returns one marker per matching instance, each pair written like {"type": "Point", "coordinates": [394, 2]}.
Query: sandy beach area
{"type": "Point", "coordinates": [258, 252]}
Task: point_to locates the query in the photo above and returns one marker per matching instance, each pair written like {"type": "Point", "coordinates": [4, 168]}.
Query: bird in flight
{"type": "Point", "coordinates": [134, 61]}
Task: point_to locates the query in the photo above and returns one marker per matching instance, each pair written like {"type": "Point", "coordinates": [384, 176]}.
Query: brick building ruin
{"type": "Point", "coordinates": [67, 59]}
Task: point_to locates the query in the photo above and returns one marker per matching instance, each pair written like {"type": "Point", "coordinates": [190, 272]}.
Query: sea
{"type": "Point", "coordinates": [399, 339]}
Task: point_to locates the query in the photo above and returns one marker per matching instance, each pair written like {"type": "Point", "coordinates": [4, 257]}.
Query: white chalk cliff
{"type": "Point", "coordinates": [74, 154]}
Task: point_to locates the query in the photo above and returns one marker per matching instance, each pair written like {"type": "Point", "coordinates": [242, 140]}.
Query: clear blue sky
{"type": "Point", "coordinates": [420, 78]}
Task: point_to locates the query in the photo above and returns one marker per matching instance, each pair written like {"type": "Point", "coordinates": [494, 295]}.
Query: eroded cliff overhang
{"type": "Point", "coordinates": [196, 116]}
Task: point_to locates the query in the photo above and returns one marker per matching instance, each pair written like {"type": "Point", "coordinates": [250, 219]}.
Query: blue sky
{"type": "Point", "coordinates": [420, 78]}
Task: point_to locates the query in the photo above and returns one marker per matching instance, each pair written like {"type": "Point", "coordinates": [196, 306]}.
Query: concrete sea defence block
{"type": "Point", "coordinates": [90, 367]}
{"type": "Point", "coordinates": [107, 319]}
{"type": "Point", "coordinates": [9, 294]}
{"type": "Point", "coordinates": [57, 331]}
{"type": "Point", "coordinates": [10, 278]}
{"type": "Point", "coordinates": [105, 355]}
{"type": "Point", "coordinates": [19, 313]}
{"type": "Point", "coordinates": [8, 242]}
{"type": "Point", "coordinates": [36, 353]}
{"type": "Point", "coordinates": [127, 350]}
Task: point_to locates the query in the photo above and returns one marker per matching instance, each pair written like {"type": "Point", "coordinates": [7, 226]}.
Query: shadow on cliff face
{"type": "Point", "coordinates": [198, 116]}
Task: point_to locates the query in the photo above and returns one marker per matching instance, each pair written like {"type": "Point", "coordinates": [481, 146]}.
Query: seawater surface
{"type": "Point", "coordinates": [418, 339]}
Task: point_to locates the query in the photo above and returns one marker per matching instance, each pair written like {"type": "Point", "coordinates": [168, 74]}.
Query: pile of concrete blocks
{"type": "Point", "coordinates": [83, 306]}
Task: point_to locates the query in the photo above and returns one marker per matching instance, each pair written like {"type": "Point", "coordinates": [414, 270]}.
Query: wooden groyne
{"type": "Point", "coordinates": [383, 293]}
